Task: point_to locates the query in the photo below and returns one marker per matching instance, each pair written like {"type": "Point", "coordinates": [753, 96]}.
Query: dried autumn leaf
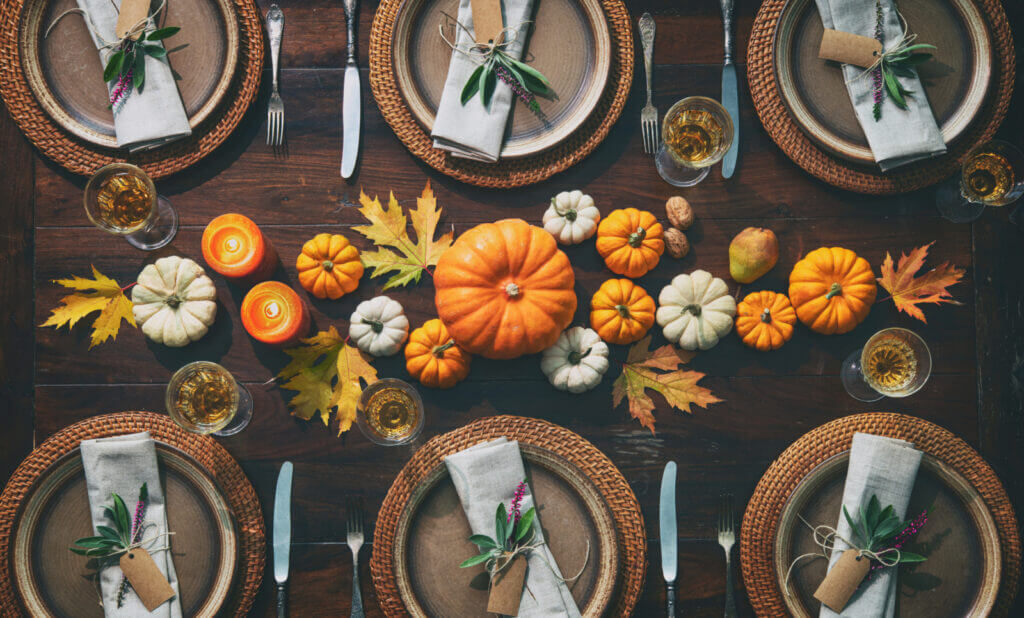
{"type": "Point", "coordinates": [389, 228]}
{"type": "Point", "coordinates": [327, 374]}
{"type": "Point", "coordinates": [101, 293]}
{"type": "Point", "coordinates": [679, 387]}
{"type": "Point", "coordinates": [909, 291]}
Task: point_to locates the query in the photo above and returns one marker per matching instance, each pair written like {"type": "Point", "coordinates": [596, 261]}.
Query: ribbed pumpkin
{"type": "Point", "coordinates": [329, 267]}
{"type": "Point", "coordinates": [630, 241]}
{"type": "Point", "coordinates": [504, 289]}
{"type": "Point", "coordinates": [765, 320]}
{"type": "Point", "coordinates": [832, 290]}
{"type": "Point", "coordinates": [433, 358]}
{"type": "Point", "coordinates": [621, 312]}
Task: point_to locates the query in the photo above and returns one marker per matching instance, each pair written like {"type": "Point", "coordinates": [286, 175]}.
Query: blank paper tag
{"type": "Point", "coordinates": [507, 588]}
{"type": "Point", "coordinates": [146, 579]}
{"type": "Point", "coordinates": [487, 22]}
{"type": "Point", "coordinates": [130, 13]}
{"type": "Point", "coordinates": [849, 48]}
{"type": "Point", "coordinates": [843, 580]}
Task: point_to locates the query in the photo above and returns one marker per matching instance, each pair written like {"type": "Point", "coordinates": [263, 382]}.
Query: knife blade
{"type": "Point", "coordinates": [668, 537]}
{"type": "Point", "coordinates": [282, 532]}
{"type": "Point", "coordinates": [730, 88]}
{"type": "Point", "coordinates": [350, 103]}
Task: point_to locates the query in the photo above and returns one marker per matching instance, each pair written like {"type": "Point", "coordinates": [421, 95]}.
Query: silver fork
{"type": "Point", "coordinates": [649, 114]}
{"type": "Point", "coordinates": [727, 538]}
{"type": "Point", "coordinates": [354, 538]}
{"type": "Point", "coordinates": [275, 110]}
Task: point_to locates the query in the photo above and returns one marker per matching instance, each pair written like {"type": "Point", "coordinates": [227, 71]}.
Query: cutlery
{"type": "Point", "coordinates": [649, 114]}
{"type": "Point", "coordinates": [669, 542]}
{"type": "Point", "coordinates": [354, 538]}
{"type": "Point", "coordinates": [275, 110]}
{"type": "Point", "coordinates": [730, 100]}
{"type": "Point", "coordinates": [282, 534]}
{"type": "Point", "coordinates": [727, 538]}
{"type": "Point", "coordinates": [350, 104]}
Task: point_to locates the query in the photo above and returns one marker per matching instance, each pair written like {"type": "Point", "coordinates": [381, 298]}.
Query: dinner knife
{"type": "Point", "coordinates": [282, 534]}
{"type": "Point", "coordinates": [730, 97]}
{"type": "Point", "coordinates": [669, 543]}
{"type": "Point", "coordinates": [350, 102]}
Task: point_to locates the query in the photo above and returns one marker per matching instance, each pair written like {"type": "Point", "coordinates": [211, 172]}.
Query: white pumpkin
{"type": "Point", "coordinates": [572, 217]}
{"type": "Point", "coordinates": [379, 326]}
{"type": "Point", "coordinates": [696, 310]}
{"type": "Point", "coordinates": [577, 361]}
{"type": "Point", "coordinates": [174, 301]}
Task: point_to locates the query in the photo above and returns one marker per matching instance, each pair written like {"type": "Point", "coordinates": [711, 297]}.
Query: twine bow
{"type": "Point", "coordinates": [498, 563]}
{"type": "Point", "coordinates": [506, 37]}
{"type": "Point", "coordinates": [906, 40]}
{"type": "Point", "coordinates": [138, 28]}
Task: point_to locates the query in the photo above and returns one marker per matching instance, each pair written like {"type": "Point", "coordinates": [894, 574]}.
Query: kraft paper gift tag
{"type": "Point", "coordinates": [849, 48]}
{"type": "Point", "coordinates": [843, 580]}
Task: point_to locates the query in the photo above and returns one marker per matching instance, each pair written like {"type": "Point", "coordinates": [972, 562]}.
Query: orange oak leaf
{"type": "Point", "coordinates": [909, 291]}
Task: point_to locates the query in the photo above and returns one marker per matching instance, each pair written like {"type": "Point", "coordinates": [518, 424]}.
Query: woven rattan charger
{"type": "Point", "coordinates": [761, 520]}
{"type": "Point", "coordinates": [238, 492]}
{"type": "Point", "coordinates": [592, 462]}
{"type": "Point", "coordinates": [838, 172]}
{"type": "Point", "coordinates": [510, 172]}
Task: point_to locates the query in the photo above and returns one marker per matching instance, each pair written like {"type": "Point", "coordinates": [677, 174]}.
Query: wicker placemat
{"type": "Point", "coordinates": [761, 520]}
{"type": "Point", "coordinates": [510, 172]}
{"type": "Point", "coordinates": [848, 175]}
{"type": "Point", "coordinates": [84, 158]}
{"type": "Point", "coordinates": [592, 462]}
{"type": "Point", "coordinates": [238, 492]}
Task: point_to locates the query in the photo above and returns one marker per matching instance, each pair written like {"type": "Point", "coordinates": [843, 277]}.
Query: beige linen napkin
{"type": "Point", "coordinates": [121, 465]}
{"type": "Point", "coordinates": [146, 119]}
{"type": "Point", "coordinates": [473, 131]}
{"type": "Point", "coordinates": [485, 475]}
{"type": "Point", "coordinates": [887, 468]}
{"type": "Point", "coordinates": [901, 136]}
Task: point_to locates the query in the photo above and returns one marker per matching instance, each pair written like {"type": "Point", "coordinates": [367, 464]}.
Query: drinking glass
{"type": "Point", "coordinates": [992, 175]}
{"type": "Point", "coordinates": [120, 198]}
{"type": "Point", "coordinates": [203, 397]}
{"type": "Point", "coordinates": [895, 362]}
{"type": "Point", "coordinates": [390, 412]}
{"type": "Point", "coordinates": [695, 134]}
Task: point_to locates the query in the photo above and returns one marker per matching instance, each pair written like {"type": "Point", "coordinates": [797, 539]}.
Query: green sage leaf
{"type": "Point", "coordinates": [124, 521]}
{"type": "Point", "coordinates": [154, 51]}
{"type": "Point", "coordinates": [475, 560]}
{"type": "Point", "coordinates": [162, 33]}
{"type": "Point", "coordinates": [472, 85]}
{"type": "Point", "coordinates": [525, 524]}
{"type": "Point", "coordinates": [894, 89]}
{"type": "Point", "coordinates": [532, 74]}
{"type": "Point", "coordinates": [500, 517]}
{"type": "Point", "coordinates": [483, 541]}
{"type": "Point", "coordinates": [113, 68]}
{"type": "Point", "coordinates": [908, 557]}
{"type": "Point", "coordinates": [489, 82]}
{"type": "Point", "coordinates": [918, 46]}
{"type": "Point", "coordinates": [109, 533]}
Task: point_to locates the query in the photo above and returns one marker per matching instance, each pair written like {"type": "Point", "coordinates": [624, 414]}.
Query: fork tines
{"type": "Point", "coordinates": [649, 130]}
{"type": "Point", "coordinates": [726, 516]}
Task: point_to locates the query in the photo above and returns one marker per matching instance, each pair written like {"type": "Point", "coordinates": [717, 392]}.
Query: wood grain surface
{"type": "Point", "coordinates": [49, 379]}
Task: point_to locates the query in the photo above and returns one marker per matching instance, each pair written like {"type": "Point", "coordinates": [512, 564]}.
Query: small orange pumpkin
{"type": "Point", "coordinates": [832, 290]}
{"type": "Point", "coordinates": [765, 320]}
{"type": "Point", "coordinates": [329, 267]}
{"type": "Point", "coordinates": [433, 358]}
{"type": "Point", "coordinates": [630, 241]}
{"type": "Point", "coordinates": [621, 312]}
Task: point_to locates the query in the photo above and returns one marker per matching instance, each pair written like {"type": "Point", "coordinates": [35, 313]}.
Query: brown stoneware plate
{"type": "Point", "coordinates": [960, 541]}
{"type": "Point", "coordinates": [53, 581]}
{"type": "Point", "coordinates": [569, 43]}
{"type": "Point", "coordinates": [65, 73]}
{"type": "Point", "coordinates": [431, 540]}
{"type": "Point", "coordinates": [955, 80]}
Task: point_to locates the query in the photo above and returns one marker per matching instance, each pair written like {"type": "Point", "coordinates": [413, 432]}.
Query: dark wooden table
{"type": "Point", "coordinates": [51, 379]}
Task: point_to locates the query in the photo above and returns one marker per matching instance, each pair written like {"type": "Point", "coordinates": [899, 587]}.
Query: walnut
{"type": "Point", "coordinates": [679, 212]}
{"type": "Point", "coordinates": [676, 242]}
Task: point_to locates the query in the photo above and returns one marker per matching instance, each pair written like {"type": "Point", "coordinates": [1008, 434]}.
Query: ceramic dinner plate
{"type": "Point", "coordinates": [53, 581]}
{"type": "Point", "coordinates": [431, 540]}
{"type": "Point", "coordinates": [960, 541]}
{"type": "Point", "coordinates": [65, 73]}
{"type": "Point", "coordinates": [955, 80]}
{"type": "Point", "coordinates": [569, 43]}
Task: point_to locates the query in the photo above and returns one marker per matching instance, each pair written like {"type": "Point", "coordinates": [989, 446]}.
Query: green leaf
{"type": "Point", "coordinates": [472, 85]}
{"type": "Point", "coordinates": [483, 541]}
{"type": "Point", "coordinates": [124, 521]}
{"type": "Point", "coordinates": [79, 551]}
{"type": "Point", "coordinates": [475, 560]}
{"type": "Point", "coordinates": [525, 524]}
{"type": "Point", "coordinates": [887, 529]}
{"type": "Point", "coordinates": [903, 72]}
{"type": "Point", "coordinates": [109, 533]}
{"type": "Point", "coordinates": [515, 73]}
{"type": "Point", "coordinates": [144, 492]}
{"type": "Point", "coordinates": [162, 33]}
{"type": "Point", "coordinates": [874, 511]}
{"type": "Point", "coordinates": [489, 80]}
{"type": "Point", "coordinates": [139, 71]}
{"type": "Point", "coordinates": [500, 519]}
{"type": "Point", "coordinates": [912, 48]}
{"type": "Point", "coordinates": [908, 557]}
{"type": "Point", "coordinates": [915, 59]}
{"type": "Point", "coordinates": [894, 89]}
{"type": "Point", "coordinates": [113, 68]}
{"type": "Point", "coordinates": [93, 541]}
{"type": "Point", "coordinates": [862, 538]}
{"type": "Point", "coordinates": [154, 51]}
{"type": "Point", "coordinates": [532, 74]}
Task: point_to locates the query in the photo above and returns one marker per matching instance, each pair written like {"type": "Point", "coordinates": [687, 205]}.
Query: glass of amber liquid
{"type": "Point", "coordinates": [895, 362]}
{"type": "Point", "coordinates": [121, 199]}
{"type": "Point", "coordinates": [992, 175]}
{"type": "Point", "coordinates": [695, 134]}
{"type": "Point", "coordinates": [390, 412]}
{"type": "Point", "coordinates": [204, 397]}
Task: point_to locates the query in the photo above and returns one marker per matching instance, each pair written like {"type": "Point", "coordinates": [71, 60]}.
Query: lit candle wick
{"type": "Point", "coordinates": [232, 244]}
{"type": "Point", "coordinates": [272, 309]}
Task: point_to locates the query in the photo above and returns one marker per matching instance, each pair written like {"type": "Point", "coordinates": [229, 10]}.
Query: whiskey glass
{"type": "Point", "coordinates": [120, 198]}
{"type": "Point", "coordinates": [992, 175]}
{"type": "Point", "coordinates": [203, 397]}
{"type": "Point", "coordinates": [390, 412]}
{"type": "Point", "coordinates": [895, 362]}
{"type": "Point", "coordinates": [695, 134]}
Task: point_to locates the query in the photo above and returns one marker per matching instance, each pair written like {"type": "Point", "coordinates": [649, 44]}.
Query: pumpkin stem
{"type": "Point", "coordinates": [766, 316]}
{"type": "Point", "coordinates": [695, 309]}
{"type": "Point", "coordinates": [438, 350]}
{"type": "Point", "coordinates": [637, 237]}
{"type": "Point", "coordinates": [570, 216]}
{"type": "Point", "coordinates": [327, 265]}
{"type": "Point", "coordinates": [173, 301]}
{"type": "Point", "coordinates": [623, 310]}
{"type": "Point", "coordinates": [575, 357]}
{"type": "Point", "coordinates": [375, 325]}
{"type": "Point", "coordinates": [512, 290]}
{"type": "Point", "coordinates": [835, 290]}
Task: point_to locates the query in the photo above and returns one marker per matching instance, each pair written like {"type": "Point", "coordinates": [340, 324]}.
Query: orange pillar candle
{"type": "Point", "coordinates": [234, 246]}
{"type": "Point", "coordinates": [273, 313]}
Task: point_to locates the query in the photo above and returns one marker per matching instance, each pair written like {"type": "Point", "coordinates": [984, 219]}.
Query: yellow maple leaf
{"type": "Point", "coordinates": [909, 291]}
{"type": "Point", "coordinates": [396, 251]}
{"type": "Point", "coordinates": [101, 293]}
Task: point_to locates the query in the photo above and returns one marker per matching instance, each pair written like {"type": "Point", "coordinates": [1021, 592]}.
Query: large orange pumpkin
{"type": "Point", "coordinates": [765, 320]}
{"type": "Point", "coordinates": [832, 290]}
{"type": "Point", "coordinates": [621, 312]}
{"type": "Point", "coordinates": [504, 289]}
{"type": "Point", "coordinates": [433, 358]}
{"type": "Point", "coordinates": [630, 241]}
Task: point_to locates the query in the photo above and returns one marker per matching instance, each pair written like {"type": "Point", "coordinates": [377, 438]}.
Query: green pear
{"type": "Point", "coordinates": [752, 253]}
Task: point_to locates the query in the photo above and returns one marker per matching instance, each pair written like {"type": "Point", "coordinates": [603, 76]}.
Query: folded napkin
{"type": "Point", "coordinates": [142, 120]}
{"type": "Point", "coordinates": [121, 465]}
{"type": "Point", "coordinates": [901, 136]}
{"type": "Point", "coordinates": [887, 468]}
{"type": "Point", "coordinates": [473, 131]}
{"type": "Point", "coordinates": [487, 474]}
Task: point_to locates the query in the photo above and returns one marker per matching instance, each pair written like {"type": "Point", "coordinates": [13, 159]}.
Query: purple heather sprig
{"type": "Point", "coordinates": [525, 95]}
{"type": "Point", "coordinates": [140, 513]}
{"type": "Point", "coordinates": [877, 79]}
{"type": "Point", "coordinates": [517, 501]}
{"type": "Point", "coordinates": [901, 539]}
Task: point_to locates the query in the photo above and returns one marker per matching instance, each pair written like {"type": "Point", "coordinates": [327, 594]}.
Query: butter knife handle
{"type": "Point", "coordinates": [350, 21]}
{"type": "Point", "coordinates": [282, 599]}
{"type": "Point", "coordinates": [727, 11]}
{"type": "Point", "coordinates": [670, 599]}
